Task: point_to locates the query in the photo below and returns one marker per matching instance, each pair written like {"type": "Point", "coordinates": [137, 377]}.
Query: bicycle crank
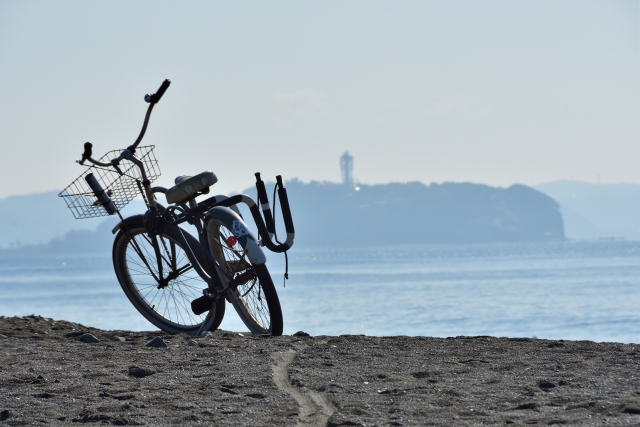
{"type": "Point", "coordinates": [207, 301]}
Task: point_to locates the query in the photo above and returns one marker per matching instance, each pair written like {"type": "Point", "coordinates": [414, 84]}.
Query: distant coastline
{"type": "Point", "coordinates": [329, 214]}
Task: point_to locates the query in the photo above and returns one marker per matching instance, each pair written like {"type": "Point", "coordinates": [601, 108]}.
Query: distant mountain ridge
{"type": "Point", "coordinates": [321, 211]}
{"type": "Point", "coordinates": [329, 214]}
{"type": "Point", "coordinates": [36, 219]}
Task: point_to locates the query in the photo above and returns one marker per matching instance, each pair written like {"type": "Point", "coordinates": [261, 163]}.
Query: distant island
{"type": "Point", "coordinates": [329, 214]}
{"type": "Point", "coordinates": [352, 214]}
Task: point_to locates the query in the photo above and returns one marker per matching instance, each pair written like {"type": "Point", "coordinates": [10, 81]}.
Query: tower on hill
{"type": "Point", "coordinates": [346, 166]}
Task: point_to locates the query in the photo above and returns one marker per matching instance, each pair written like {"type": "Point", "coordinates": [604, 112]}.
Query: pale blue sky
{"type": "Point", "coordinates": [494, 92]}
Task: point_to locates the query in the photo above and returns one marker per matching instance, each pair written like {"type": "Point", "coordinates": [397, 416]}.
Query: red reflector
{"type": "Point", "coordinates": [231, 241]}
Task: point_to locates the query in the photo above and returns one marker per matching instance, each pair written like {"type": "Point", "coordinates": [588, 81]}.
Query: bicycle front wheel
{"type": "Point", "coordinates": [253, 296]}
{"type": "Point", "coordinates": [165, 304]}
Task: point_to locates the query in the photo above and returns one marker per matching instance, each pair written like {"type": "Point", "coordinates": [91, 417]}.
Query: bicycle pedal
{"type": "Point", "coordinates": [202, 304]}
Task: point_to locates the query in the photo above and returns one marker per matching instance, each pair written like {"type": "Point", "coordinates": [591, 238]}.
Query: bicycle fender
{"type": "Point", "coordinates": [236, 225]}
{"type": "Point", "coordinates": [129, 221]}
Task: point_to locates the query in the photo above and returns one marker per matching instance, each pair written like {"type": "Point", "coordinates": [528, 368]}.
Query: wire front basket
{"type": "Point", "coordinates": [120, 188]}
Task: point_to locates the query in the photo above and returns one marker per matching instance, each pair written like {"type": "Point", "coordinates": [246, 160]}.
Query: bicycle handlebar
{"type": "Point", "coordinates": [155, 98]}
{"type": "Point", "coordinates": [87, 150]}
{"type": "Point", "coordinates": [152, 100]}
{"type": "Point", "coordinates": [87, 156]}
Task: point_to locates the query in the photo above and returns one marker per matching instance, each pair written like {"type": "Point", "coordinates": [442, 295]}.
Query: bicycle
{"type": "Point", "coordinates": [177, 281]}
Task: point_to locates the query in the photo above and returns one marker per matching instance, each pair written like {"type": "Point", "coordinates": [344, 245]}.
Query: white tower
{"type": "Point", "coordinates": [346, 166]}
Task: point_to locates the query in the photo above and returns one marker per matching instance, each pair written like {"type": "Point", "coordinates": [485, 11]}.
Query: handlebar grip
{"type": "Point", "coordinates": [155, 98]}
{"type": "Point", "coordinates": [101, 195]}
{"type": "Point", "coordinates": [87, 150]}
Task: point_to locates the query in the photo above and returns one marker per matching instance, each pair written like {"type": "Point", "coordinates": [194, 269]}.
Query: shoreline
{"type": "Point", "coordinates": [48, 375]}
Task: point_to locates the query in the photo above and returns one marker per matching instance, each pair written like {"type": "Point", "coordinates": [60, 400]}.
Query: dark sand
{"type": "Point", "coordinates": [48, 376]}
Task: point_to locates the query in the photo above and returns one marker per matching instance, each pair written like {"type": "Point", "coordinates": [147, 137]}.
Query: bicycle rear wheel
{"type": "Point", "coordinates": [254, 296]}
{"type": "Point", "coordinates": [166, 305]}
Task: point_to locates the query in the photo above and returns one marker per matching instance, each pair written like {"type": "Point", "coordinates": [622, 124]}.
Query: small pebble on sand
{"type": "Point", "coordinates": [88, 338]}
{"type": "Point", "coordinates": [138, 372]}
{"type": "Point", "coordinates": [156, 342]}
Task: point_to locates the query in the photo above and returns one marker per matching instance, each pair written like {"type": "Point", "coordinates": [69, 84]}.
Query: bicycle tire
{"type": "Point", "coordinates": [255, 288]}
{"type": "Point", "coordinates": [142, 290]}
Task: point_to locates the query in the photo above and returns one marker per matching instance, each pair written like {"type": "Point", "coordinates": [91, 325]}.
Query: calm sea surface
{"type": "Point", "coordinates": [568, 290]}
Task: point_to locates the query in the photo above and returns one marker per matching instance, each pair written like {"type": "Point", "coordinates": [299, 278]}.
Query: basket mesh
{"type": "Point", "coordinates": [121, 188]}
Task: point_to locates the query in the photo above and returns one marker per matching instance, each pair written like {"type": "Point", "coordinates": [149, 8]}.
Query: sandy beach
{"type": "Point", "coordinates": [49, 375]}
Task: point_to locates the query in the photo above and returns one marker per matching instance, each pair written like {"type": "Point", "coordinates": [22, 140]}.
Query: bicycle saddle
{"type": "Point", "coordinates": [188, 186]}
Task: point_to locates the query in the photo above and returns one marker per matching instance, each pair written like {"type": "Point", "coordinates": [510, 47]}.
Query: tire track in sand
{"type": "Point", "coordinates": [314, 408]}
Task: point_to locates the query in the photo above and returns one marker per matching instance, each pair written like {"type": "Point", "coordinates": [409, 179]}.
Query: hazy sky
{"type": "Point", "coordinates": [494, 92]}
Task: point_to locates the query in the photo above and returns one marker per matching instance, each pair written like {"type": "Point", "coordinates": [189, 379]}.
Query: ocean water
{"type": "Point", "coordinates": [563, 290]}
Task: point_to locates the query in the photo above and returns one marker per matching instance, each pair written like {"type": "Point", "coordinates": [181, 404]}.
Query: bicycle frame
{"type": "Point", "coordinates": [222, 208]}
